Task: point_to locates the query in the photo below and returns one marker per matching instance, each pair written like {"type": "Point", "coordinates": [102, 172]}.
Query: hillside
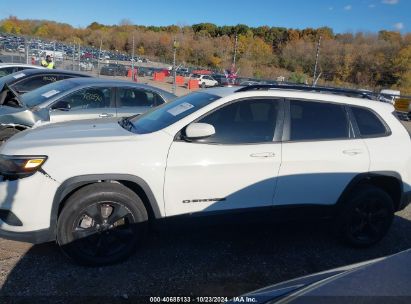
{"type": "Point", "coordinates": [367, 60]}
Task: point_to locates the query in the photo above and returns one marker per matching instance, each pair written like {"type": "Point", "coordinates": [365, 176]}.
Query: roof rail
{"type": "Point", "coordinates": [317, 89]}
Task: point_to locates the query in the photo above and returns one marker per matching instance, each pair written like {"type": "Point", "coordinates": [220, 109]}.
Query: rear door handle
{"type": "Point", "coordinates": [263, 155]}
{"type": "Point", "coordinates": [105, 115]}
{"type": "Point", "coordinates": [353, 152]}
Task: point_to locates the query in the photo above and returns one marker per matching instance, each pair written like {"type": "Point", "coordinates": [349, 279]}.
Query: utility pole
{"type": "Point", "coordinates": [74, 51]}
{"type": "Point", "coordinates": [316, 62]}
{"type": "Point", "coordinates": [175, 46]}
{"type": "Point", "coordinates": [27, 50]}
{"type": "Point", "coordinates": [79, 56]}
{"type": "Point", "coordinates": [132, 62]}
{"type": "Point", "coordinates": [99, 58]}
{"type": "Point", "coordinates": [235, 51]}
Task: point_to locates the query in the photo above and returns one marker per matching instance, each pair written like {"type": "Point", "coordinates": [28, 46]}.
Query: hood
{"type": "Point", "coordinates": [6, 110]}
{"type": "Point", "coordinates": [17, 116]}
{"type": "Point", "coordinates": [69, 133]}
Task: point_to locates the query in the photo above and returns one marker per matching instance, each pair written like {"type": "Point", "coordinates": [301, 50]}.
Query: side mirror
{"type": "Point", "coordinates": [62, 106]}
{"type": "Point", "coordinates": [199, 130]}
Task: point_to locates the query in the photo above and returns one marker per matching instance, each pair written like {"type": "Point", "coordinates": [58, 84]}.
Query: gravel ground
{"type": "Point", "coordinates": [185, 260]}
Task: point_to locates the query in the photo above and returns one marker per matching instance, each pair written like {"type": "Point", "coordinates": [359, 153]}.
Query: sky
{"type": "Point", "coordinates": [340, 15]}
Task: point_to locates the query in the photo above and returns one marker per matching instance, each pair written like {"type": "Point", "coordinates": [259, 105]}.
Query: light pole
{"type": "Point", "coordinates": [99, 58]}
{"type": "Point", "coordinates": [316, 62]}
{"type": "Point", "coordinates": [132, 62]}
{"type": "Point", "coordinates": [175, 46]}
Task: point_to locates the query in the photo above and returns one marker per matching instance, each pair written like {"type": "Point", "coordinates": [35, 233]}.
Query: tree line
{"type": "Point", "coordinates": [365, 60]}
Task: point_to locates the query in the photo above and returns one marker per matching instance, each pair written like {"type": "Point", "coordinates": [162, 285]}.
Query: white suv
{"type": "Point", "coordinates": [205, 81]}
{"type": "Point", "coordinates": [94, 185]}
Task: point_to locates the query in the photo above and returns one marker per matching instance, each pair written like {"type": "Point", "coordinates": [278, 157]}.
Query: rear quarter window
{"type": "Point", "coordinates": [369, 124]}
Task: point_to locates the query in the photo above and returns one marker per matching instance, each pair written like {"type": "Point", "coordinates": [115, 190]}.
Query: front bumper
{"type": "Point", "coordinates": [25, 208]}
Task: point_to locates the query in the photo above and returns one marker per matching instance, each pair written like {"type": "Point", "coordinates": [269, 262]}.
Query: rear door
{"type": "Point", "coordinates": [320, 154]}
{"type": "Point", "coordinates": [131, 101]}
{"type": "Point", "coordinates": [88, 103]}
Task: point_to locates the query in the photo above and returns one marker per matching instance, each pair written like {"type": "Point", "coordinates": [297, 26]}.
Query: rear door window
{"type": "Point", "coordinates": [317, 121]}
{"type": "Point", "coordinates": [131, 97]}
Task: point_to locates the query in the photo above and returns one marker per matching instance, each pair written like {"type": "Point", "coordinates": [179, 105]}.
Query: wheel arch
{"type": "Point", "coordinates": [389, 181]}
{"type": "Point", "coordinates": [134, 183]}
{"type": "Point", "coordinates": [14, 126]}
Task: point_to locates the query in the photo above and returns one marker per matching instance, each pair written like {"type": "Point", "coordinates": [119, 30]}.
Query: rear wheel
{"type": "Point", "coordinates": [203, 85]}
{"type": "Point", "coordinates": [101, 224]}
{"type": "Point", "coordinates": [365, 217]}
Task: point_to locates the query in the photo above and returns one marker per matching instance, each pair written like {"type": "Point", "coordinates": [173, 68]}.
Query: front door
{"type": "Point", "coordinates": [236, 168]}
{"type": "Point", "coordinates": [89, 103]}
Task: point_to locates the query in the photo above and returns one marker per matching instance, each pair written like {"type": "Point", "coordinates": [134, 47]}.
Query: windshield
{"type": "Point", "coordinates": [11, 77]}
{"type": "Point", "coordinates": [171, 112]}
{"type": "Point", "coordinates": [44, 93]}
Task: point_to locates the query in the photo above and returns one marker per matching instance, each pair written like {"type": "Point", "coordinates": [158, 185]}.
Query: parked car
{"type": "Point", "coordinates": [113, 69]}
{"type": "Point", "coordinates": [374, 281]}
{"type": "Point", "coordinates": [9, 68]}
{"type": "Point", "coordinates": [205, 81]}
{"type": "Point", "coordinates": [144, 71]}
{"type": "Point", "coordinates": [277, 152]}
{"type": "Point", "coordinates": [27, 80]}
{"type": "Point", "coordinates": [86, 66]}
{"type": "Point", "coordinates": [79, 98]}
{"type": "Point", "coordinates": [21, 49]}
{"type": "Point", "coordinates": [222, 79]}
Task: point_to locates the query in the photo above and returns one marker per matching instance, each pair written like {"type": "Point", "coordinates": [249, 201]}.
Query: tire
{"type": "Point", "coordinates": [6, 133]}
{"type": "Point", "coordinates": [203, 85]}
{"type": "Point", "coordinates": [92, 237]}
{"type": "Point", "coordinates": [365, 217]}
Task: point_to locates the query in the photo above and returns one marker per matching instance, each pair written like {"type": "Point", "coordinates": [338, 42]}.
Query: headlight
{"type": "Point", "coordinates": [20, 166]}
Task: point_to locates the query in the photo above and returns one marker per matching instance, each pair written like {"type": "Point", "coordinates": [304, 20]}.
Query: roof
{"type": "Point", "coordinates": [297, 94]}
{"type": "Point", "coordinates": [117, 82]}
{"type": "Point", "coordinates": [52, 71]}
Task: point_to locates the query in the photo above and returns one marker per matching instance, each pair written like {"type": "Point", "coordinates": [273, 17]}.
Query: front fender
{"type": "Point", "coordinates": [77, 182]}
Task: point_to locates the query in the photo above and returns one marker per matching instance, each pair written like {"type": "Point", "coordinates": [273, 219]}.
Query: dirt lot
{"type": "Point", "coordinates": [185, 261]}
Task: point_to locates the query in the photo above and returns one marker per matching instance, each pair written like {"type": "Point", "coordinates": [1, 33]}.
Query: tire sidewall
{"type": "Point", "coordinates": [74, 207]}
{"type": "Point", "coordinates": [347, 212]}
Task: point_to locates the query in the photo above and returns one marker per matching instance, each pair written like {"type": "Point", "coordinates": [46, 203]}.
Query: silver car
{"type": "Point", "coordinates": [9, 68]}
{"type": "Point", "coordinates": [78, 98]}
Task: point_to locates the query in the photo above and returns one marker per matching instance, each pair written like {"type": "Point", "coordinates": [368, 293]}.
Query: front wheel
{"type": "Point", "coordinates": [365, 216]}
{"type": "Point", "coordinates": [101, 224]}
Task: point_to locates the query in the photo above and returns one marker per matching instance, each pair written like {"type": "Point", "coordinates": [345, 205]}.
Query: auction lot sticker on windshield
{"type": "Point", "coordinates": [181, 108]}
{"type": "Point", "coordinates": [19, 75]}
{"type": "Point", "coordinates": [50, 93]}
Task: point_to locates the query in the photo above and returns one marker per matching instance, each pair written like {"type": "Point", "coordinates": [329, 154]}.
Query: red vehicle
{"type": "Point", "coordinates": [87, 55]}
{"type": "Point", "coordinates": [201, 72]}
{"type": "Point", "coordinates": [166, 72]}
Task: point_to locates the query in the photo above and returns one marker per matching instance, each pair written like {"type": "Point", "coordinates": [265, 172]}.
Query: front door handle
{"type": "Point", "coordinates": [352, 152]}
{"type": "Point", "coordinates": [105, 115]}
{"type": "Point", "coordinates": [263, 155]}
